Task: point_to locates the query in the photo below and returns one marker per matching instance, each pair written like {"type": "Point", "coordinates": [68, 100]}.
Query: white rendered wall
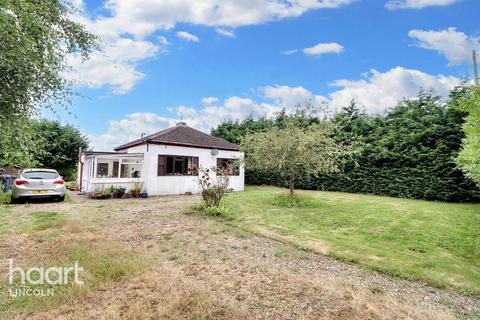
{"type": "Point", "coordinates": [163, 185]}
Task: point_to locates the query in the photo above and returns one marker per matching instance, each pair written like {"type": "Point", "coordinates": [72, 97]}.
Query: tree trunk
{"type": "Point", "coordinates": [292, 185]}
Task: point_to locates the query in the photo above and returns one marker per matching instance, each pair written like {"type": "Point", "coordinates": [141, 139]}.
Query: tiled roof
{"type": "Point", "coordinates": [182, 135]}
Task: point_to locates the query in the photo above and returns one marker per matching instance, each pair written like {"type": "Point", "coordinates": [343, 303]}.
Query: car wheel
{"type": "Point", "coordinates": [14, 200]}
{"type": "Point", "coordinates": [62, 198]}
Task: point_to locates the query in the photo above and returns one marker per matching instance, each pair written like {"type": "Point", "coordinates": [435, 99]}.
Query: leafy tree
{"type": "Point", "coordinates": [58, 146]}
{"type": "Point", "coordinates": [292, 151]}
{"type": "Point", "coordinates": [35, 39]}
{"type": "Point", "coordinates": [469, 157]}
{"type": "Point", "coordinates": [17, 143]}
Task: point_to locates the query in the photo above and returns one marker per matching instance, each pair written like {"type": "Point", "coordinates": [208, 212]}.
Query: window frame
{"type": "Point", "coordinates": [235, 170]}
{"type": "Point", "coordinates": [100, 164]}
{"type": "Point", "coordinates": [162, 166]}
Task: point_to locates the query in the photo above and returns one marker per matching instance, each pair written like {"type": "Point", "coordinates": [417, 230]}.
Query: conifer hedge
{"type": "Point", "coordinates": [408, 152]}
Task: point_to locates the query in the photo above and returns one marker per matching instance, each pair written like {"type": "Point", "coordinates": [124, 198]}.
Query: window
{"type": "Point", "coordinates": [102, 170]}
{"type": "Point", "coordinates": [177, 165]}
{"type": "Point", "coordinates": [128, 169]}
{"type": "Point", "coordinates": [124, 171]}
{"type": "Point", "coordinates": [115, 169]}
{"type": "Point", "coordinates": [229, 164]}
{"type": "Point", "coordinates": [40, 175]}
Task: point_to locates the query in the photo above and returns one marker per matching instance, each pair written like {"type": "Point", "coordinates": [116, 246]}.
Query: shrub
{"type": "Point", "coordinates": [5, 197]}
{"type": "Point", "coordinates": [213, 187]}
{"type": "Point", "coordinates": [108, 193]}
{"type": "Point", "coordinates": [136, 190]}
{"type": "Point", "coordinates": [220, 211]}
{"type": "Point", "coordinates": [224, 210]}
{"type": "Point", "coordinates": [197, 207]}
{"type": "Point", "coordinates": [292, 200]}
{"type": "Point", "coordinates": [119, 193]}
{"type": "Point", "coordinates": [72, 185]}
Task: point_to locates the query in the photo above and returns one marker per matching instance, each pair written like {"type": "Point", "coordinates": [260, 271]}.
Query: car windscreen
{"type": "Point", "coordinates": [40, 175]}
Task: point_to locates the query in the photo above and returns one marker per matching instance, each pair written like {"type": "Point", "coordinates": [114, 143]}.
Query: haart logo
{"type": "Point", "coordinates": [41, 276]}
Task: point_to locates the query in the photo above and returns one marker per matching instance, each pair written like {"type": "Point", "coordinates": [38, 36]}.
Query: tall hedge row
{"type": "Point", "coordinates": [408, 152]}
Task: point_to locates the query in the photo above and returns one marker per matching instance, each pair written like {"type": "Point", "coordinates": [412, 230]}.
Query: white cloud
{"type": "Point", "coordinates": [141, 18]}
{"type": "Point", "coordinates": [289, 52]}
{"type": "Point", "coordinates": [323, 48]}
{"type": "Point", "coordinates": [128, 129]}
{"type": "Point", "coordinates": [456, 46]}
{"type": "Point", "coordinates": [114, 65]}
{"type": "Point", "coordinates": [163, 44]}
{"type": "Point", "coordinates": [187, 36]}
{"type": "Point", "coordinates": [133, 125]}
{"type": "Point", "coordinates": [77, 4]}
{"type": "Point", "coordinates": [379, 91]}
{"type": "Point", "coordinates": [225, 33]}
{"type": "Point", "coordinates": [292, 97]}
{"type": "Point", "coordinates": [209, 100]}
{"type": "Point", "coordinates": [184, 112]}
{"type": "Point", "coordinates": [417, 4]}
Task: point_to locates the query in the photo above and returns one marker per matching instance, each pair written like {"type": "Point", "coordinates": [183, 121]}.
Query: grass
{"type": "Point", "coordinates": [101, 266]}
{"type": "Point", "coordinates": [45, 220]}
{"type": "Point", "coordinates": [61, 243]}
{"type": "Point", "coordinates": [180, 267]}
{"type": "Point", "coordinates": [5, 197]}
{"type": "Point", "coordinates": [436, 242]}
{"type": "Point", "coordinates": [288, 200]}
{"type": "Point", "coordinates": [11, 223]}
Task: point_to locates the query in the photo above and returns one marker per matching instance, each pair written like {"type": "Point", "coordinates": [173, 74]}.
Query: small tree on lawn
{"type": "Point", "coordinates": [293, 151]}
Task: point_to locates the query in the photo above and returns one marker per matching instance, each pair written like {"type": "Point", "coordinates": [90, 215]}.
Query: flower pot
{"type": "Point", "coordinates": [143, 194]}
{"type": "Point", "coordinates": [134, 193]}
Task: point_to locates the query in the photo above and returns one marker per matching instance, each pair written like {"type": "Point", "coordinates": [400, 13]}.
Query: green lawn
{"type": "Point", "coordinates": [432, 241]}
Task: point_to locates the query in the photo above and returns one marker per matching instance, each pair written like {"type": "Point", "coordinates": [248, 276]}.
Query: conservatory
{"type": "Point", "coordinates": [99, 170]}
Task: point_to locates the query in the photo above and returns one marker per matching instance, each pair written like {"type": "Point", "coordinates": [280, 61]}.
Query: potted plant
{"type": "Point", "coordinates": [118, 193]}
{"type": "Point", "coordinates": [144, 193]}
{"type": "Point", "coordinates": [136, 190]}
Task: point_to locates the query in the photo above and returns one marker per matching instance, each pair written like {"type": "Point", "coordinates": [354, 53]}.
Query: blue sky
{"type": "Point", "coordinates": [161, 59]}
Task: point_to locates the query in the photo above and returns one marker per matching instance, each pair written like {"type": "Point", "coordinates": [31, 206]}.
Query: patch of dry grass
{"type": "Point", "coordinates": [118, 283]}
{"type": "Point", "coordinates": [219, 271]}
{"type": "Point", "coordinates": [103, 262]}
{"type": "Point", "coordinates": [156, 294]}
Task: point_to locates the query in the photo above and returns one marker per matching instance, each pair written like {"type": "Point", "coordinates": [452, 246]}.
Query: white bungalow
{"type": "Point", "coordinates": [166, 162]}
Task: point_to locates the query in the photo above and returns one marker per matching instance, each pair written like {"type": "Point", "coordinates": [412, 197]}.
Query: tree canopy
{"type": "Point", "coordinates": [35, 39]}
{"type": "Point", "coordinates": [292, 151]}
{"type": "Point", "coordinates": [409, 151]}
{"type": "Point", "coordinates": [469, 157]}
{"type": "Point", "coordinates": [58, 146]}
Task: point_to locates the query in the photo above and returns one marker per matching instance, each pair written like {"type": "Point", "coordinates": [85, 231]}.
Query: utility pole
{"type": "Point", "coordinates": [475, 67]}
